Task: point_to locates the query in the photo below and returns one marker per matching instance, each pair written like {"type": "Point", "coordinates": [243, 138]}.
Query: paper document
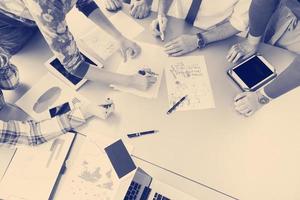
{"type": "Point", "coordinates": [91, 176]}
{"type": "Point", "coordinates": [33, 172]}
{"type": "Point", "coordinates": [126, 25]}
{"type": "Point", "coordinates": [98, 43]}
{"type": "Point", "coordinates": [188, 76]}
{"type": "Point", "coordinates": [152, 57]}
{"type": "Point", "coordinates": [47, 93]}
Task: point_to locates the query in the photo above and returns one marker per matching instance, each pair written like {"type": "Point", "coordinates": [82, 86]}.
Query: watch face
{"type": "Point", "coordinates": [263, 100]}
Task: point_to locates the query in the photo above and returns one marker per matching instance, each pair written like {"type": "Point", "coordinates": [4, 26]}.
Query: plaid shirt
{"type": "Point", "coordinates": [34, 133]}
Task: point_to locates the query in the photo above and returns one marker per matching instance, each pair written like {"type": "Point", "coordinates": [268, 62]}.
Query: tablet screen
{"type": "Point", "coordinates": [60, 68]}
{"type": "Point", "coordinates": [253, 71]}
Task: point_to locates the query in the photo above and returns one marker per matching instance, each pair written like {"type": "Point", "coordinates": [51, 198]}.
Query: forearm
{"type": "Point", "coordinates": [220, 32]}
{"type": "Point", "coordinates": [259, 15]}
{"type": "Point", "coordinates": [106, 77]}
{"type": "Point", "coordinates": [286, 81]}
{"type": "Point", "coordinates": [164, 6]}
{"type": "Point", "coordinates": [101, 20]}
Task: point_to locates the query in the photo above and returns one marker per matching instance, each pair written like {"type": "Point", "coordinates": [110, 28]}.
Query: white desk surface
{"type": "Point", "coordinates": [247, 158]}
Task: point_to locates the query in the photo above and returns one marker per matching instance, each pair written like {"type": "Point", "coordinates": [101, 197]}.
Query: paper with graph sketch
{"type": "Point", "coordinates": [188, 76]}
{"type": "Point", "coordinates": [126, 25]}
{"type": "Point", "coordinates": [98, 43]}
{"type": "Point", "coordinates": [151, 57]}
{"type": "Point", "coordinates": [91, 176]}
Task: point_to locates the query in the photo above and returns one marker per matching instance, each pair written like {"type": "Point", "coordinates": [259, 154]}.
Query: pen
{"type": "Point", "coordinates": [133, 135]}
{"type": "Point", "coordinates": [162, 34]}
{"type": "Point", "coordinates": [143, 72]}
{"type": "Point", "coordinates": [176, 105]}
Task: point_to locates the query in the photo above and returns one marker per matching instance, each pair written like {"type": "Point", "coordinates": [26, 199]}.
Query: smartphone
{"type": "Point", "coordinates": [61, 109]}
{"type": "Point", "coordinates": [253, 73]}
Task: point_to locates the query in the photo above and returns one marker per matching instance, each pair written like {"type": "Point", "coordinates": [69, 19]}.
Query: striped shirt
{"type": "Point", "coordinates": [34, 133]}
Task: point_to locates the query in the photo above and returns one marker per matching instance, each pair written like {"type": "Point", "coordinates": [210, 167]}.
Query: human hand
{"type": "Point", "coordinates": [102, 111]}
{"type": "Point", "coordinates": [139, 9]}
{"type": "Point", "coordinates": [182, 45]}
{"type": "Point", "coordinates": [143, 82]}
{"type": "Point", "coordinates": [128, 47]}
{"type": "Point", "coordinates": [159, 26]}
{"type": "Point", "coordinates": [242, 50]}
{"type": "Point", "coordinates": [113, 5]}
{"type": "Point", "coordinates": [247, 103]}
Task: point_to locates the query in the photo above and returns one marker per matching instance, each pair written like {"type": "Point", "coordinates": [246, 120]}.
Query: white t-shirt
{"type": "Point", "coordinates": [213, 12]}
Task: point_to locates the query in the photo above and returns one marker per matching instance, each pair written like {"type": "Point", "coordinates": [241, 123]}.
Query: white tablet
{"type": "Point", "coordinates": [56, 68]}
{"type": "Point", "coordinates": [252, 73]}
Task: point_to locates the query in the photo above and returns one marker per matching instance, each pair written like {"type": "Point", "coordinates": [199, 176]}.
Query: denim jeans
{"type": "Point", "coordinates": [13, 36]}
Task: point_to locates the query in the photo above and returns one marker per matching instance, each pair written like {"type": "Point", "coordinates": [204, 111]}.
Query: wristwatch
{"type": "Point", "coordinates": [201, 41]}
{"type": "Point", "coordinates": [262, 97]}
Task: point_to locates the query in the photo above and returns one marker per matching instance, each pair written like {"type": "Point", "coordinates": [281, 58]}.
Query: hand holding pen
{"type": "Point", "coordinates": [159, 25]}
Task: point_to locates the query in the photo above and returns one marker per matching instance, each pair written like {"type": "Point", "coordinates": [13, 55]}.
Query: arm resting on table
{"type": "Point", "coordinates": [288, 80]}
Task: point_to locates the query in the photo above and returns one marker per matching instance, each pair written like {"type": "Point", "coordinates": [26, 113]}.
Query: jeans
{"type": "Point", "coordinates": [13, 36]}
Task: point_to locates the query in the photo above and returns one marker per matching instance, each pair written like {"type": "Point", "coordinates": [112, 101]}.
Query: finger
{"type": "Point", "coordinates": [237, 58]}
{"type": "Point", "coordinates": [174, 50]}
{"type": "Point", "coordinates": [135, 51]}
{"type": "Point", "coordinates": [146, 12]}
{"type": "Point", "coordinates": [240, 96]}
{"type": "Point", "coordinates": [172, 42]}
{"type": "Point", "coordinates": [124, 54]}
{"type": "Point", "coordinates": [112, 5]}
{"type": "Point", "coordinates": [180, 53]}
{"type": "Point", "coordinates": [147, 70]}
{"type": "Point", "coordinates": [232, 56]}
{"type": "Point", "coordinates": [118, 4]}
{"type": "Point", "coordinates": [151, 79]}
{"type": "Point", "coordinates": [241, 107]}
{"type": "Point", "coordinates": [249, 113]}
{"type": "Point", "coordinates": [138, 11]}
{"type": "Point", "coordinates": [172, 47]}
{"type": "Point", "coordinates": [133, 10]}
{"type": "Point", "coordinates": [231, 50]}
{"type": "Point", "coordinates": [141, 12]}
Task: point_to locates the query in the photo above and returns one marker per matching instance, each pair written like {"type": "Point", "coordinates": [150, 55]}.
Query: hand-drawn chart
{"type": "Point", "coordinates": [188, 76]}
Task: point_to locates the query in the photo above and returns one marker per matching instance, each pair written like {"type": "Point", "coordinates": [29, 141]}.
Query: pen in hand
{"type": "Point", "coordinates": [158, 27]}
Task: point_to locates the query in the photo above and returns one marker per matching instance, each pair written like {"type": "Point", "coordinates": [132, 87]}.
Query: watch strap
{"type": "Point", "coordinates": [201, 41]}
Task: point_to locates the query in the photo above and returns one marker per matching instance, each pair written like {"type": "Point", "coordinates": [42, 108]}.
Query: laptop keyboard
{"type": "Point", "coordinates": [135, 188]}
{"type": "Point", "coordinates": [133, 191]}
{"type": "Point", "coordinates": [160, 197]}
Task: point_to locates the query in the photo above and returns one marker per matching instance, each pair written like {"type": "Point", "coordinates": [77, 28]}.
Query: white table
{"type": "Point", "coordinates": [247, 158]}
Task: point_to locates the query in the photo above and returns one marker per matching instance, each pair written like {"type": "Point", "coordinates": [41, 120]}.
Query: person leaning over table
{"type": "Point", "coordinates": [34, 133]}
{"type": "Point", "coordinates": [275, 22]}
{"type": "Point", "coordinates": [20, 19]}
{"type": "Point", "coordinates": [215, 20]}
{"type": "Point", "coordinates": [139, 9]}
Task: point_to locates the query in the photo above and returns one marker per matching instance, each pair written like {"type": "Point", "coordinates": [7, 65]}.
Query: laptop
{"type": "Point", "coordinates": [141, 186]}
{"type": "Point", "coordinates": [134, 182]}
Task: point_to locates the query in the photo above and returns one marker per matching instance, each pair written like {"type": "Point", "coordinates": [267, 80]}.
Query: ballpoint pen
{"type": "Point", "coordinates": [160, 21]}
{"type": "Point", "coordinates": [132, 135]}
{"type": "Point", "coordinates": [176, 105]}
